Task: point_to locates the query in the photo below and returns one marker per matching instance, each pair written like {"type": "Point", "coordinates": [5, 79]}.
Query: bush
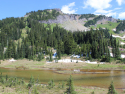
{"type": "Point", "coordinates": [51, 84]}
{"type": "Point", "coordinates": [93, 92]}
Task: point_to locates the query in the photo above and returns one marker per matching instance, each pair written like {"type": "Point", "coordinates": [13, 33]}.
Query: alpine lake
{"type": "Point", "coordinates": [96, 78]}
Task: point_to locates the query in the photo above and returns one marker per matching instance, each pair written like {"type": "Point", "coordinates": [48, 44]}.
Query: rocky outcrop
{"type": "Point", "coordinates": [105, 19]}
{"type": "Point", "coordinates": [61, 19]}
{"type": "Point", "coordinates": [73, 23]}
{"type": "Point", "coordinates": [69, 22]}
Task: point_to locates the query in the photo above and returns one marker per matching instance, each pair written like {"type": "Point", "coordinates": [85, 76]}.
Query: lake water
{"type": "Point", "coordinates": [102, 78]}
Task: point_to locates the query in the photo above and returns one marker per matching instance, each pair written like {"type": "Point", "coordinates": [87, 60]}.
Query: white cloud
{"type": "Point", "coordinates": [117, 8]}
{"type": "Point", "coordinates": [69, 8]}
{"type": "Point", "coordinates": [101, 11]}
{"type": "Point", "coordinates": [105, 12]}
{"type": "Point", "coordinates": [112, 14]}
{"type": "Point", "coordinates": [122, 15]}
{"type": "Point", "coordinates": [120, 2]}
{"type": "Point", "coordinates": [97, 4]}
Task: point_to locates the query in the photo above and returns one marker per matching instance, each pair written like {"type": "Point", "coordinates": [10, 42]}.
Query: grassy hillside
{"type": "Point", "coordinates": [94, 21]}
{"type": "Point", "coordinates": [109, 25]}
{"type": "Point", "coordinates": [50, 25]}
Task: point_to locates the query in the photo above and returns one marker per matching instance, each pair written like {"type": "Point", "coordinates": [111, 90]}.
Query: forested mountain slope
{"type": "Point", "coordinates": [31, 36]}
{"type": "Point", "coordinates": [121, 27]}
{"type": "Point", "coordinates": [80, 22]}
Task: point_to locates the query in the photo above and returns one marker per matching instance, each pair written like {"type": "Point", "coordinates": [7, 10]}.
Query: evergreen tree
{"type": "Point", "coordinates": [90, 57]}
{"type": "Point", "coordinates": [62, 86]}
{"type": "Point", "coordinates": [101, 50]}
{"type": "Point", "coordinates": [113, 52]}
{"type": "Point", "coordinates": [1, 75]}
{"type": "Point", "coordinates": [31, 82]}
{"type": "Point", "coordinates": [108, 56]}
{"type": "Point", "coordinates": [117, 52]}
{"type": "Point", "coordinates": [51, 84]}
{"type": "Point", "coordinates": [83, 48]}
{"type": "Point", "coordinates": [59, 86]}
{"type": "Point", "coordinates": [6, 77]}
{"type": "Point", "coordinates": [40, 56]}
{"type": "Point", "coordinates": [111, 89]}
{"type": "Point", "coordinates": [37, 80]}
{"type": "Point", "coordinates": [50, 56]}
{"type": "Point", "coordinates": [94, 50]}
{"type": "Point", "coordinates": [22, 81]}
{"type": "Point", "coordinates": [70, 89]}
{"type": "Point", "coordinates": [59, 54]}
{"type": "Point", "coordinates": [59, 50]}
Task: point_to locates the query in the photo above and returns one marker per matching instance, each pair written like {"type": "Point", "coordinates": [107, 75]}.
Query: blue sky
{"type": "Point", "coordinates": [18, 8]}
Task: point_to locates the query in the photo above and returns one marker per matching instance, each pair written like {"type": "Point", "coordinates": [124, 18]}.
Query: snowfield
{"type": "Point", "coordinates": [88, 61]}
{"type": "Point", "coordinates": [69, 60]}
{"type": "Point", "coordinates": [116, 36]}
{"type": "Point", "coordinates": [12, 60]}
{"type": "Point", "coordinates": [122, 43]}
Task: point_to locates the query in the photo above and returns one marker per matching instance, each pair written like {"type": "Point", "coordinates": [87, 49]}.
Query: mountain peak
{"type": "Point", "coordinates": [71, 22]}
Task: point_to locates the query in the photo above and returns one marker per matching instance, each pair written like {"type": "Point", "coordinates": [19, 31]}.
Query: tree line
{"type": "Point", "coordinates": [86, 16]}
{"type": "Point", "coordinates": [94, 21]}
{"type": "Point", "coordinates": [43, 14]}
{"type": "Point", "coordinates": [120, 27]}
{"type": "Point", "coordinates": [40, 38]}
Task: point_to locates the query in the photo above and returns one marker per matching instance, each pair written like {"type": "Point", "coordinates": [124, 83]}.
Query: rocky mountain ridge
{"type": "Point", "coordinates": [68, 20]}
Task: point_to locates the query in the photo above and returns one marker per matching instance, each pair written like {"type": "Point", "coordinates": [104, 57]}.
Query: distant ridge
{"type": "Point", "coordinates": [72, 22]}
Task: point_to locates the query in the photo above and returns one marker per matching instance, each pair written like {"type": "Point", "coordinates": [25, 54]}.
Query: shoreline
{"type": "Point", "coordinates": [46, 68]}
{"type": "Point", "coordinates": [68, 70]}
{"type": "Point", "coordinates": [25, 64]}
{"type": "Point", "coordinates": [71, 71]}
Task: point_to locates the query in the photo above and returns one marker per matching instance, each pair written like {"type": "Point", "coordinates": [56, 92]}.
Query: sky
{"type": "Point", "coordinates": [18, 8]}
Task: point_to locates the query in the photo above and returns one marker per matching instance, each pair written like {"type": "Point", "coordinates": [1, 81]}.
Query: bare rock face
{"type": "Point", "coordinates": [105, 19]}
{"type": "Point", "coordinates": [60, 19]}
{"type": "Point", "coordinates": [73, 23]}
{"type": "Point", "coordinates": [69, 22]}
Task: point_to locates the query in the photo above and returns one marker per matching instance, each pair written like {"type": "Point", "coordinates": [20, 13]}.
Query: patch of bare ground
{"type": "Point", "coordinates": [65, 65]}
{"type": "Point", "coordinates": [23, 64]}
{"type": "Point", "coordinates": [30, 64]}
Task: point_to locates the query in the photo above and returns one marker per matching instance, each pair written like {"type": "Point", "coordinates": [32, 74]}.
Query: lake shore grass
{"type": "Point", "coordinates": [43, 89]}
{"type": "Point", "coordinates": [30, 64]}
{"type": "Point", "coordinates": [25, 64]}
